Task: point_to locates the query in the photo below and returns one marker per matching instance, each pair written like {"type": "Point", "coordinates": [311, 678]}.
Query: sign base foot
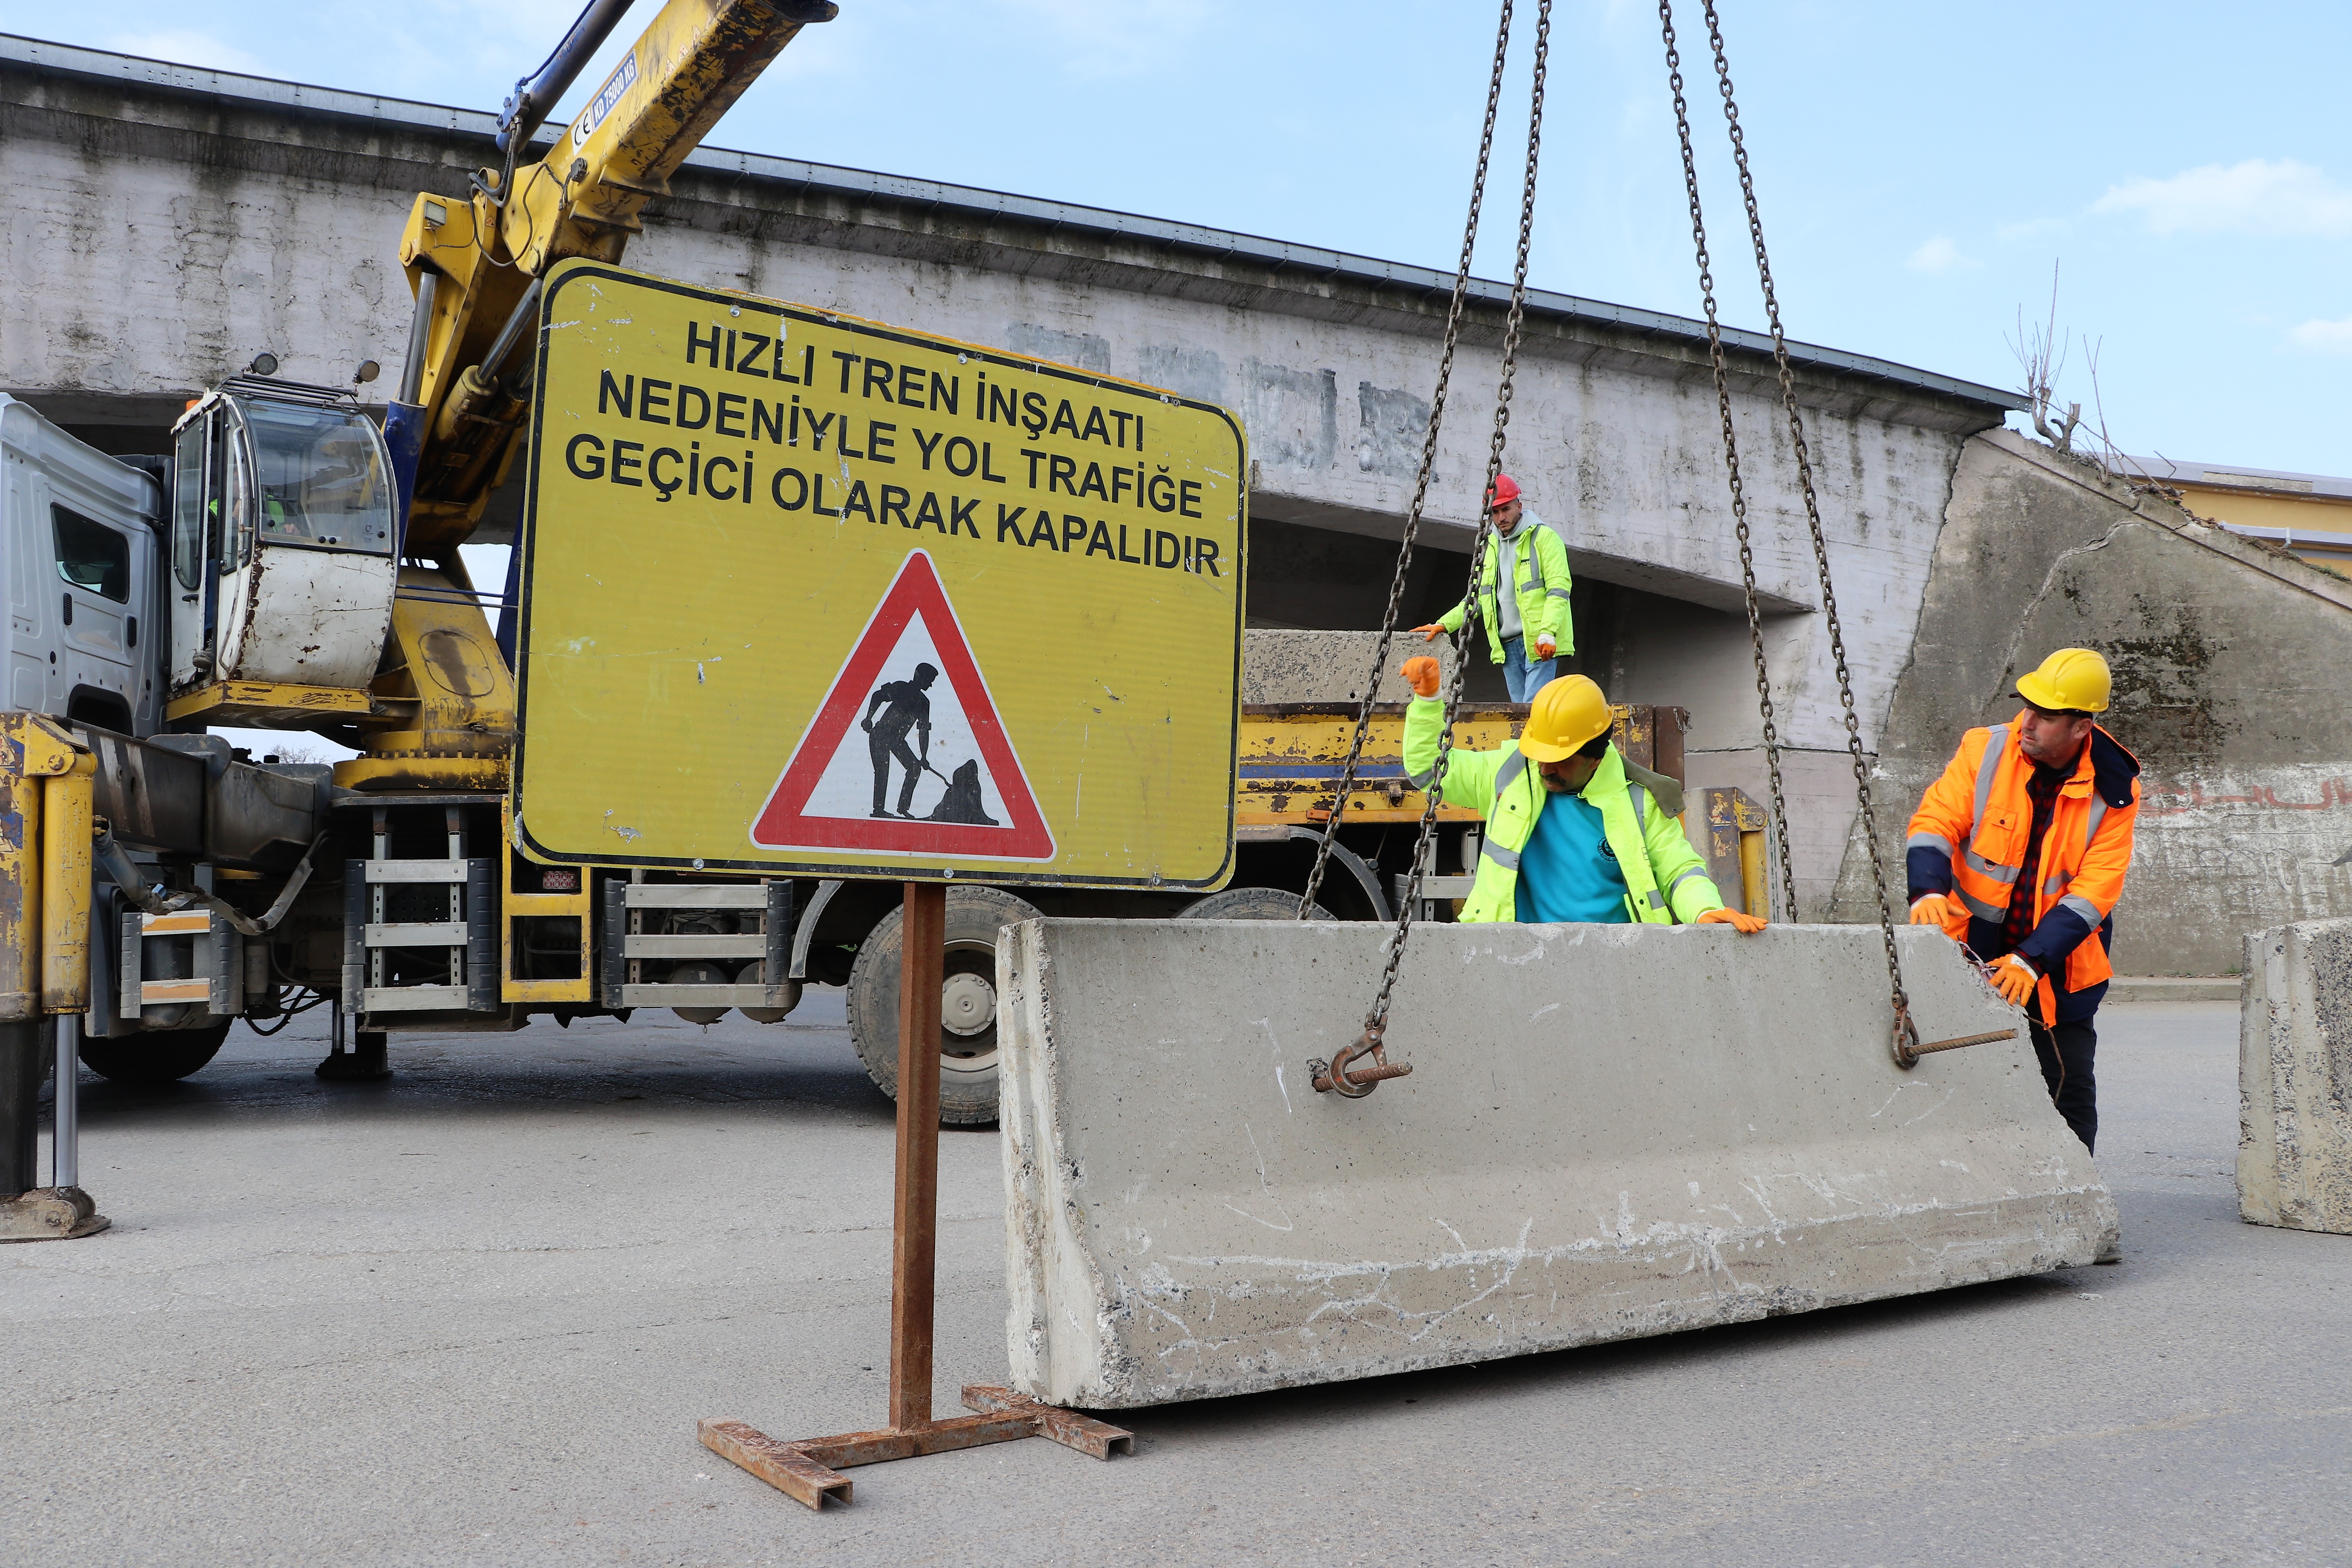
{"type": "Point", "coordinates": [809, 1470]}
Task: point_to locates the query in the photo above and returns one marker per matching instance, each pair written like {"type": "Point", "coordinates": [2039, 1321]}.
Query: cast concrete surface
{"type": "Point", "coordinates": [2294, 1114]}
{"type": "Point", "coordinates": [471, 1315]}
{"type": "Point", "coordinates": [1746, 1150]}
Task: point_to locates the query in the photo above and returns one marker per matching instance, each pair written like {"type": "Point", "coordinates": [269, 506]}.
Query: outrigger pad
{"type": "Point", "coordinates": [1609, 1131]}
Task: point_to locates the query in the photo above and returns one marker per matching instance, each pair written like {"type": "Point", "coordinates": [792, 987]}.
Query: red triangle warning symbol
{"type": "Point", "coordinates": [900, 762]}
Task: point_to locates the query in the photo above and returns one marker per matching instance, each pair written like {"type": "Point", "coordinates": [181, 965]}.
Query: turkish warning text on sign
{"type": "Point", "coordinates": [804, 592]}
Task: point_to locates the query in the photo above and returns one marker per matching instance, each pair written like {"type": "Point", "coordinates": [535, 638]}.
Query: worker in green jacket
{"type": "Point", "coordinates": [1529, 627]}
{"type": "Point", "coordinates": [1581, 833]}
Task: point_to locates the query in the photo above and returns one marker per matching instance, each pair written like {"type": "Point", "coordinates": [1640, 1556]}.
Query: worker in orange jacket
{"type": "Point", "coordinates": [2019, 851]}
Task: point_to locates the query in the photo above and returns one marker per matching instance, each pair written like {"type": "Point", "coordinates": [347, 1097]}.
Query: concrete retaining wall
{"type": "Point", "coordinates": [2294, 1077]}
{"type": "Point", "coordinates": [1609, 1131]}
{"type": "Point", "coordinates": [2227, 658]}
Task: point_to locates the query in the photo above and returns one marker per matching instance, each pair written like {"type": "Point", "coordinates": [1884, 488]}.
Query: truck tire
{"type": "Point", "coordinates": [1251, 904]}
{"type": "Point", "coordinates": [967, 1002]}
{"type": "Point", "coordinates": [164, 1055]}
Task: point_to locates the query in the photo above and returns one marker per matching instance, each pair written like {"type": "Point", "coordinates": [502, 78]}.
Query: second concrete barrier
{"type": "Point", "coordinates": [1609, 1131]}
{"type": "Point", "coordinates": [2294, 1077]}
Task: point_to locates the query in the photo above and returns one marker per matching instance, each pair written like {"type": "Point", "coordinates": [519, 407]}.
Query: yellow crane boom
{"type": "Point", "coordinates": [474, 265]}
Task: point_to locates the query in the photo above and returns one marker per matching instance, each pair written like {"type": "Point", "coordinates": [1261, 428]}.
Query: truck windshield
{"type": "Point", "coordinates": [321, 477]}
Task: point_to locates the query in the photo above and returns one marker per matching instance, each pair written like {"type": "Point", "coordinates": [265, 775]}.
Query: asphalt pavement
{"type": "Point", "coordinates": [471, 1314]}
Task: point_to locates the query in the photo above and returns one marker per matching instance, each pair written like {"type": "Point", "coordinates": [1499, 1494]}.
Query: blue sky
{"type": "Point", "coordinates": [1921, 165]}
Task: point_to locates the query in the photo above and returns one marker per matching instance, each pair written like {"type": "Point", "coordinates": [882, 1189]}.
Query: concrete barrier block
{"type": "Point", "coordinates": [1329, 667]}
{"type": "Point", "coordinates": [1609, 1131]}
{"type": "Point", "coordinates": [2294, 1077]}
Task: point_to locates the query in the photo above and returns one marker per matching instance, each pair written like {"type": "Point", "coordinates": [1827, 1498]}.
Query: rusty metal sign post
{"type": "Point", "coordinates": [810, 1468]}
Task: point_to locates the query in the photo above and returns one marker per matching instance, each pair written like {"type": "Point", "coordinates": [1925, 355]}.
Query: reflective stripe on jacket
{"type": "Point", "coordinates": [1665, 879]}
{"type": "Point", "coordinates": [1542, 588]}
{"type": "Point", "coordinates": [1969, 836]}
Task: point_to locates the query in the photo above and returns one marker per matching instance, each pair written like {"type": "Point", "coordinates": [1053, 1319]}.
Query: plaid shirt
{"type": "Point", "coordinates": [2042, 788]}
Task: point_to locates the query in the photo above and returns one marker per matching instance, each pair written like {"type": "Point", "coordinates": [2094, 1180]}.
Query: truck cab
{"type": "Point", "coordinates": [81, 563]}
{"type": "Point", "coordinates": [282, 539]}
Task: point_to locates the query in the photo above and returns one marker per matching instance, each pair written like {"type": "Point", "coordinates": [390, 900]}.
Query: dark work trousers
{"type": "Point", "coordinates": [882, 745]}
{"type": "Point", "coordinates": [2065, 1054]}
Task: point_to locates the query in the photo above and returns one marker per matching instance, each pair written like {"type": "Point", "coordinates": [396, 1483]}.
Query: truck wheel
{"type": "Point", "coordinates": [1251, 904]}
{"type": "Point", "coordinates": [161, 1056]}
{"type": "Point", "coordinates": [967, 1002]}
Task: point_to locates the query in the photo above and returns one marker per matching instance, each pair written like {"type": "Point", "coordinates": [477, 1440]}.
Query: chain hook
{"type": "Point", "coordinates": [1336, 1077]}
{"type": "Point", "coordinates": [1906, 1038]}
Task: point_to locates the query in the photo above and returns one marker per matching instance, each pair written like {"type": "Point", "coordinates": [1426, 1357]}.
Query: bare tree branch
{"type": "Point", "coordinates": [2041, 354]}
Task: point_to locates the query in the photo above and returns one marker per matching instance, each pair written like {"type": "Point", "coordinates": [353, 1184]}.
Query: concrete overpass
{"type": "Point", "coordinates": [169, 224]}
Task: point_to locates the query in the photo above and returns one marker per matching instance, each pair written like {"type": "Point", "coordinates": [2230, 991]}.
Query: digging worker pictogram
{"type": "Point", "coordinates": [1529, 627]}
{"type": "Point", "coordinates": [1580, 836]}
{"type": "Point", "coordinates": [904, 705]}
{"type": "Point", "coordinates": [2019, 851]}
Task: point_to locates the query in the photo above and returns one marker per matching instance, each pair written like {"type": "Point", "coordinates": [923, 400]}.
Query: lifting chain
{"type": "Point", "coordinates": [1905, 1041]}
{"type": "Point", "coordinates": [1421, 480]}
{"type": "Point", "coordinates": [1778, 824]}
{"type": "Point", "coordinates": [1336, 1075]}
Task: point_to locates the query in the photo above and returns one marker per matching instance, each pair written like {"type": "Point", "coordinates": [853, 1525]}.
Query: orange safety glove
{"type": "Point", "coordinates": [1545, 648]}
{"type": "Point", "coordinates": [1430, 633]}
{"type": "Point", "coordinates": [1746, 925]}
{"type": "Point", "coordinates": [1422, 672]}
{"type": "Point", "coordinates": [1932, 910]}
{"type": "Point", "coordinates": [2015, 980]}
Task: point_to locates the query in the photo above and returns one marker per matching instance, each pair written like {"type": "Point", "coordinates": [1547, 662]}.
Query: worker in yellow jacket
{"type": "Point", "coordinates": [1574, 832]}
{"type": "Point", "coordinates": [1528, 627]}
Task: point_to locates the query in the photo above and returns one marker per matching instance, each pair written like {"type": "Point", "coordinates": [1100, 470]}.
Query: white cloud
{"type": "Point", "coordinates": [2256, 196]}
{"type": "Point", "coordinates": [185, 47]}
{"type": "Point", "coordinates": [1940, 255]}
{"type": "Point", "coordinates": [2324, 337]}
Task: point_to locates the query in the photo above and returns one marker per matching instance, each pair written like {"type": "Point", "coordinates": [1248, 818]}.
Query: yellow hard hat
{"type": "Point", "coordinates": [1567, 713]}
{"type": "Point", "coordinates": [2071, 679]}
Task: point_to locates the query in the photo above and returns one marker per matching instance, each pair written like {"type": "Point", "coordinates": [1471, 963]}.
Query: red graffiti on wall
{"type": "Point", "coordinates": [2169, 800]}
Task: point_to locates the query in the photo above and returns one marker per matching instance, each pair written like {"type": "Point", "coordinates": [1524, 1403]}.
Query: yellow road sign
{"type": "Point", "coordinates": [806, 593]}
